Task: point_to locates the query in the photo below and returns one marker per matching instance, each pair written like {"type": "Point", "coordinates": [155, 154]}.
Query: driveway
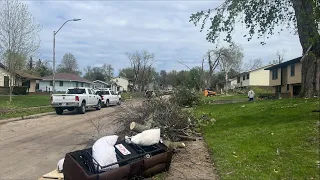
{"type": "Point", "coordinates": [31, 148]}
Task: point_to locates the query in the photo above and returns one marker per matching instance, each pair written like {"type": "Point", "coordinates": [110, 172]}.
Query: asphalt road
{"type": "Point", "coordinates": [31, 148]}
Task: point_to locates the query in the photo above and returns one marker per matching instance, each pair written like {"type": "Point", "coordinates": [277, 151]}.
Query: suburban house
{"type": "Point", "coordinates": [63, 81]}
{"type": "Point", "coordinates": [123, 83]}
{"type": "Point", "coordinates": [21, 79]}
{"type": "Point", "coordinates": [97, 84]}
{"type": "Point", "coordinates": [285, 78]}
{"type": "Point", "coordinates": [257, 77]}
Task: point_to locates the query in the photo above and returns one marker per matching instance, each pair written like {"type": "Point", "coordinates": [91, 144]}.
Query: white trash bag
{"type": "Point", "coordinates": [60, 165]}
{"type": "Point", "coordinates": [145, 138]}
{"type": "Point", "coordinates": [103, 152]}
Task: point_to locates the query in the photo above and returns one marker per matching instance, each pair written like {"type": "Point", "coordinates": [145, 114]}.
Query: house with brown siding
{"type": "Point", "coordinates": [285, 78]}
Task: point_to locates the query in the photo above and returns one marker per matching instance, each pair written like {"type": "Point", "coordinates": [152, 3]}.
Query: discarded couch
{"type": "Point", "coordinates": [133, 160]}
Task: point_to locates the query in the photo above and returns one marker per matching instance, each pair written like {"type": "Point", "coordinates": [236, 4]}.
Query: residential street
{"type": "Point", "coordinates": [31, 148]}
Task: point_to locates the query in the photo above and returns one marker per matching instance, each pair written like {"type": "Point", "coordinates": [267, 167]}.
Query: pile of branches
{"type": "Point", "coordinates": [176, 124]}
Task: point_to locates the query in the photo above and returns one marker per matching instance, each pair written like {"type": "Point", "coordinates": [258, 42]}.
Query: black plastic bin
{"type": "Point", "coordinates": [143, 161]}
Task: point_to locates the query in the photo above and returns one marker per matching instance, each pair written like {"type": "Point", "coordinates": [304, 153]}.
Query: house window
{"type": "Point", "coordinates": [6, 81]}
{"type": "Point", "coordinates": [82, 84]}
{"type": "Point", "coordinates": [238, 79]}
{"type": "Point", "coordinates": [275, 74]}
{"type": "Point", "coordinates": [244, 78]}
{"type": "Point", "coordinates": [292, 72]}
{"type": "Point", "coordinates": [61, 83]}
{"type": "Point", "coordinates": [77, 84]}
{"type": "Point", "coordinates": [288, 87]}
{"type": "Point", "coordinates": [51, 83]}
{"type": "Point", "coordinates": [248, 75]}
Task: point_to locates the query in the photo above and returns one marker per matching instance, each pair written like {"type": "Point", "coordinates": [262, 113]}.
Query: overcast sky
{"type": "Point", "coordinates": [109, 29]}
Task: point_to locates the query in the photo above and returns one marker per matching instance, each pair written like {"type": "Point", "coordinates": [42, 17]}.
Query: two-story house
{"type": "Point", "coordinates": [97, 84]}
{"type": "Point", "coordinates": [123, 83]}
{"type": "Point", "coordinates": [257, 77]}
{"type": "Point", "coordinates": [285, 78]}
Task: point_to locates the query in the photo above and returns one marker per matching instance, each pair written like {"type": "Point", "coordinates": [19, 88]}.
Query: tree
{"type": "Point", "coordinates": [42, 68]}
{"type": "Point", "coordinates": [94, 73]}
{"type": "Point", "coordinates": [69, 64]}
{"type": "Point", "coordinates": [127, 73]}
{"type": "Point", "coordinates": [18, 37]}
{"type": "Point", "coordinates": [261, 18]}
{"type": "Point", "coordinates": [163, 78]}
{"type": "Point", "coordinates": [103, 73]}
{"type": "Point", "coordinates": [141, 64]}
{"type": "Point", "coordinates": [229, 58]}
{"type": "Point", "coordinates": [252, 64]}
{"type": "Point", "coordinates": [30, 65]}
{"type": "Point", "coordinates": [108, 71]}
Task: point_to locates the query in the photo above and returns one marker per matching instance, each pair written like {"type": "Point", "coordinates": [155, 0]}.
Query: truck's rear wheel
{"type": "Point", "coordinates": [59, 111]}
{"type": "Point", "coordinates": [119, 102]}
{"type": "Point", "coordinates": [107, 103]}
{"type": "Point", "coordinates": [82, 108]}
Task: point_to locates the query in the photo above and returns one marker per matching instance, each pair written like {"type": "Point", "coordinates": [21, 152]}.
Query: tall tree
{"type": "Point", "coordinates": [30, 65]}
{"type": "Point", "coordinates": [261, 18]}
{"type": "Point", "coordinates": [69, 64]}
{"type": "Point", "coordinates": [18, 37]}
{"type": "Point", "coordinates": [42, 68]}
{"type": "Point", "coordinates": [252, 64]}
{"type": "Point", "coordinates": [94, 73]}
{"type": "Point", "coordinates": [163, 78]}
{"type": "Point", "coordinates": [229, 58]}
{"type": "Point", "coordinates": [127, 73]}
{"type": "Point", "coordinates": [141, 64]}
{"type": "Point", "coordinates": [108, 71]}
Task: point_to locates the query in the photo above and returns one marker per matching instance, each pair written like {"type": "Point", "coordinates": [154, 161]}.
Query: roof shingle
{"type": "Point", "coordinates": [66, 77]}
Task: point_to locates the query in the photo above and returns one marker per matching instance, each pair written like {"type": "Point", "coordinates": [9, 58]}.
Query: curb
{"type": "Point", "coordinates": [25, 117]}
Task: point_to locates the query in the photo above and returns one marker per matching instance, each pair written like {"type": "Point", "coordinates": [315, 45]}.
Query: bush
{"type": "Point", "coordinates": [262, 93]}
{"type": "Point", "coordinates": [185, 97]}
{"type": "Point", "coordinates": [19, 90]}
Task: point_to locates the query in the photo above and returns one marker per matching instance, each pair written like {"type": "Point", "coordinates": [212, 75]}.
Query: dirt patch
{"type": "Point", "coordinates": [193, 162]}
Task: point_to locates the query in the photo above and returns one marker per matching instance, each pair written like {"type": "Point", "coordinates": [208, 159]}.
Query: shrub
{"type": "Point", "coordinates": [185, 97]}
{"type": "Point", "coordinates": [262, 93]}
{"type": "Point", "coordinates": [19, 90]}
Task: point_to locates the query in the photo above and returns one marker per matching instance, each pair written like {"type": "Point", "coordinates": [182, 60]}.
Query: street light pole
{"type": "Point", "coordinates": [54, 53]}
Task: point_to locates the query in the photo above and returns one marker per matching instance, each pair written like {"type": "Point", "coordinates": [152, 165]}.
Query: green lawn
{"type": "Point", "coordinates": [224, 97]}
{"type": "Point", "coordinates": [267, 139]}
{"type": "Point", "coordinates": [25, 112]}
{"type": "Point", "coordinates": [25, 101]}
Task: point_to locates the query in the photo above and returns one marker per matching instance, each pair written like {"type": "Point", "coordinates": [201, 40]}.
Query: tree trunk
{"type": "Point", "coordinates": [226, 78]}
{"type": "Point", "coordinates": [308, 35]}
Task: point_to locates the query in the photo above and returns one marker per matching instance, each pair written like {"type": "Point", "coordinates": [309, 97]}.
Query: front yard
{"type": "Point", "coordinates": [268, 139]}
{"type": "Point", "coordinates": [24, 105]}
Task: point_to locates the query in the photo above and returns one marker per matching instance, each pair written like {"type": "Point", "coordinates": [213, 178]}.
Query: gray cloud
{"type": "Point", "coordinates": [108, 29]}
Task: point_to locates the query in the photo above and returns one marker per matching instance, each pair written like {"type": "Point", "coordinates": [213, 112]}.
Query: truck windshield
{"type": "Point", "coordinates": [76, 91]}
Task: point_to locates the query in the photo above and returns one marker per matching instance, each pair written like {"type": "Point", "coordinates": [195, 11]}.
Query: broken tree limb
{"type": "Point", "coordinates": [136, 127]}
{"type": "Point", "coordinates": [174, 145]}
{"type": "Point", "coordinates": [190, 138]}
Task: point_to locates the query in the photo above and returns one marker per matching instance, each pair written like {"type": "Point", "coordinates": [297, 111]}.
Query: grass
{"type": "Point", "coordinates": [25, 101]}
{"type": "Point", "coordinates": [24, 105]}
{"type": "Point", "coordinates": [271, 139]}
{"type": "Point", "coordinates": [25, 112]}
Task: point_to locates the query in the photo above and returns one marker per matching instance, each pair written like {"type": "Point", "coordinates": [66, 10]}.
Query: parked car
{"type": "Point", "coordinates": [78, 98]}
{"type": "Point", "coordinates": [109, 97]}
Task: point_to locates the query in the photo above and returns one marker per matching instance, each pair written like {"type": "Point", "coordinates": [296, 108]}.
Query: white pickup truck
{"type": "Point", "coordinates": [109, 97]}
{"type": "Point", "coordinates": [78, 98]}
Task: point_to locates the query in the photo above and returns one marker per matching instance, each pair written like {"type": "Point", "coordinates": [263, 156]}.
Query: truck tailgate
{"type": "Point", "coordinates": [63, 98]}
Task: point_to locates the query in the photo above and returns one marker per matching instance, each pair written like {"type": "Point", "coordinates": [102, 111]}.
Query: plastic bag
{"type": "Point", "coordinates": [60, 165]}
{"type": "Point", "coordinates": [145, 138]}
{"type": "Point", "coordinates": [103, 152]}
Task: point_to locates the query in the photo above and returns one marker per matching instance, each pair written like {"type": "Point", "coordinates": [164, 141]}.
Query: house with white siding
{"type": "Point", "coordinates": [20, 79]}
{"type": "Point", "coordinates": [97, 84]}
{"type": "Point", "coordinates": [63, 81]}
{"type": "Point", "coordinates": [123, 83]}
{"type": "Point", "coordinates": [257, 77]}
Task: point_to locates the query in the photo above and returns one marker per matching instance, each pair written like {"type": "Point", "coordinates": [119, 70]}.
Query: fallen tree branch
{"type": "Point", "coordinates": [136, 127]}
{"type": "Point", "coordinates": [174, 145]}
{"type": "Point", "coordinates": [190, 138]}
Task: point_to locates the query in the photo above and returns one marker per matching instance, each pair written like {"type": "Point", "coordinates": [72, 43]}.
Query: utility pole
{"type": "Point", "coordinates": [54, 54]}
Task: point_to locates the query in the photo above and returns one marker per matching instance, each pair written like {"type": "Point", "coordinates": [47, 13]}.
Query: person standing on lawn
{"type": "Point", "coordinates": [250, 95]}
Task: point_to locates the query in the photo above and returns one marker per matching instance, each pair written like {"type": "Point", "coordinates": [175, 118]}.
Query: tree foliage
{"type": "Point", "coordinates": [18, 37]}
{"type": "Point", "coordinates": [262, 17]}
{"type": "Point", "coordinates": [103, 73]}
{"type": "Point", "coordinates": [68, 64]}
